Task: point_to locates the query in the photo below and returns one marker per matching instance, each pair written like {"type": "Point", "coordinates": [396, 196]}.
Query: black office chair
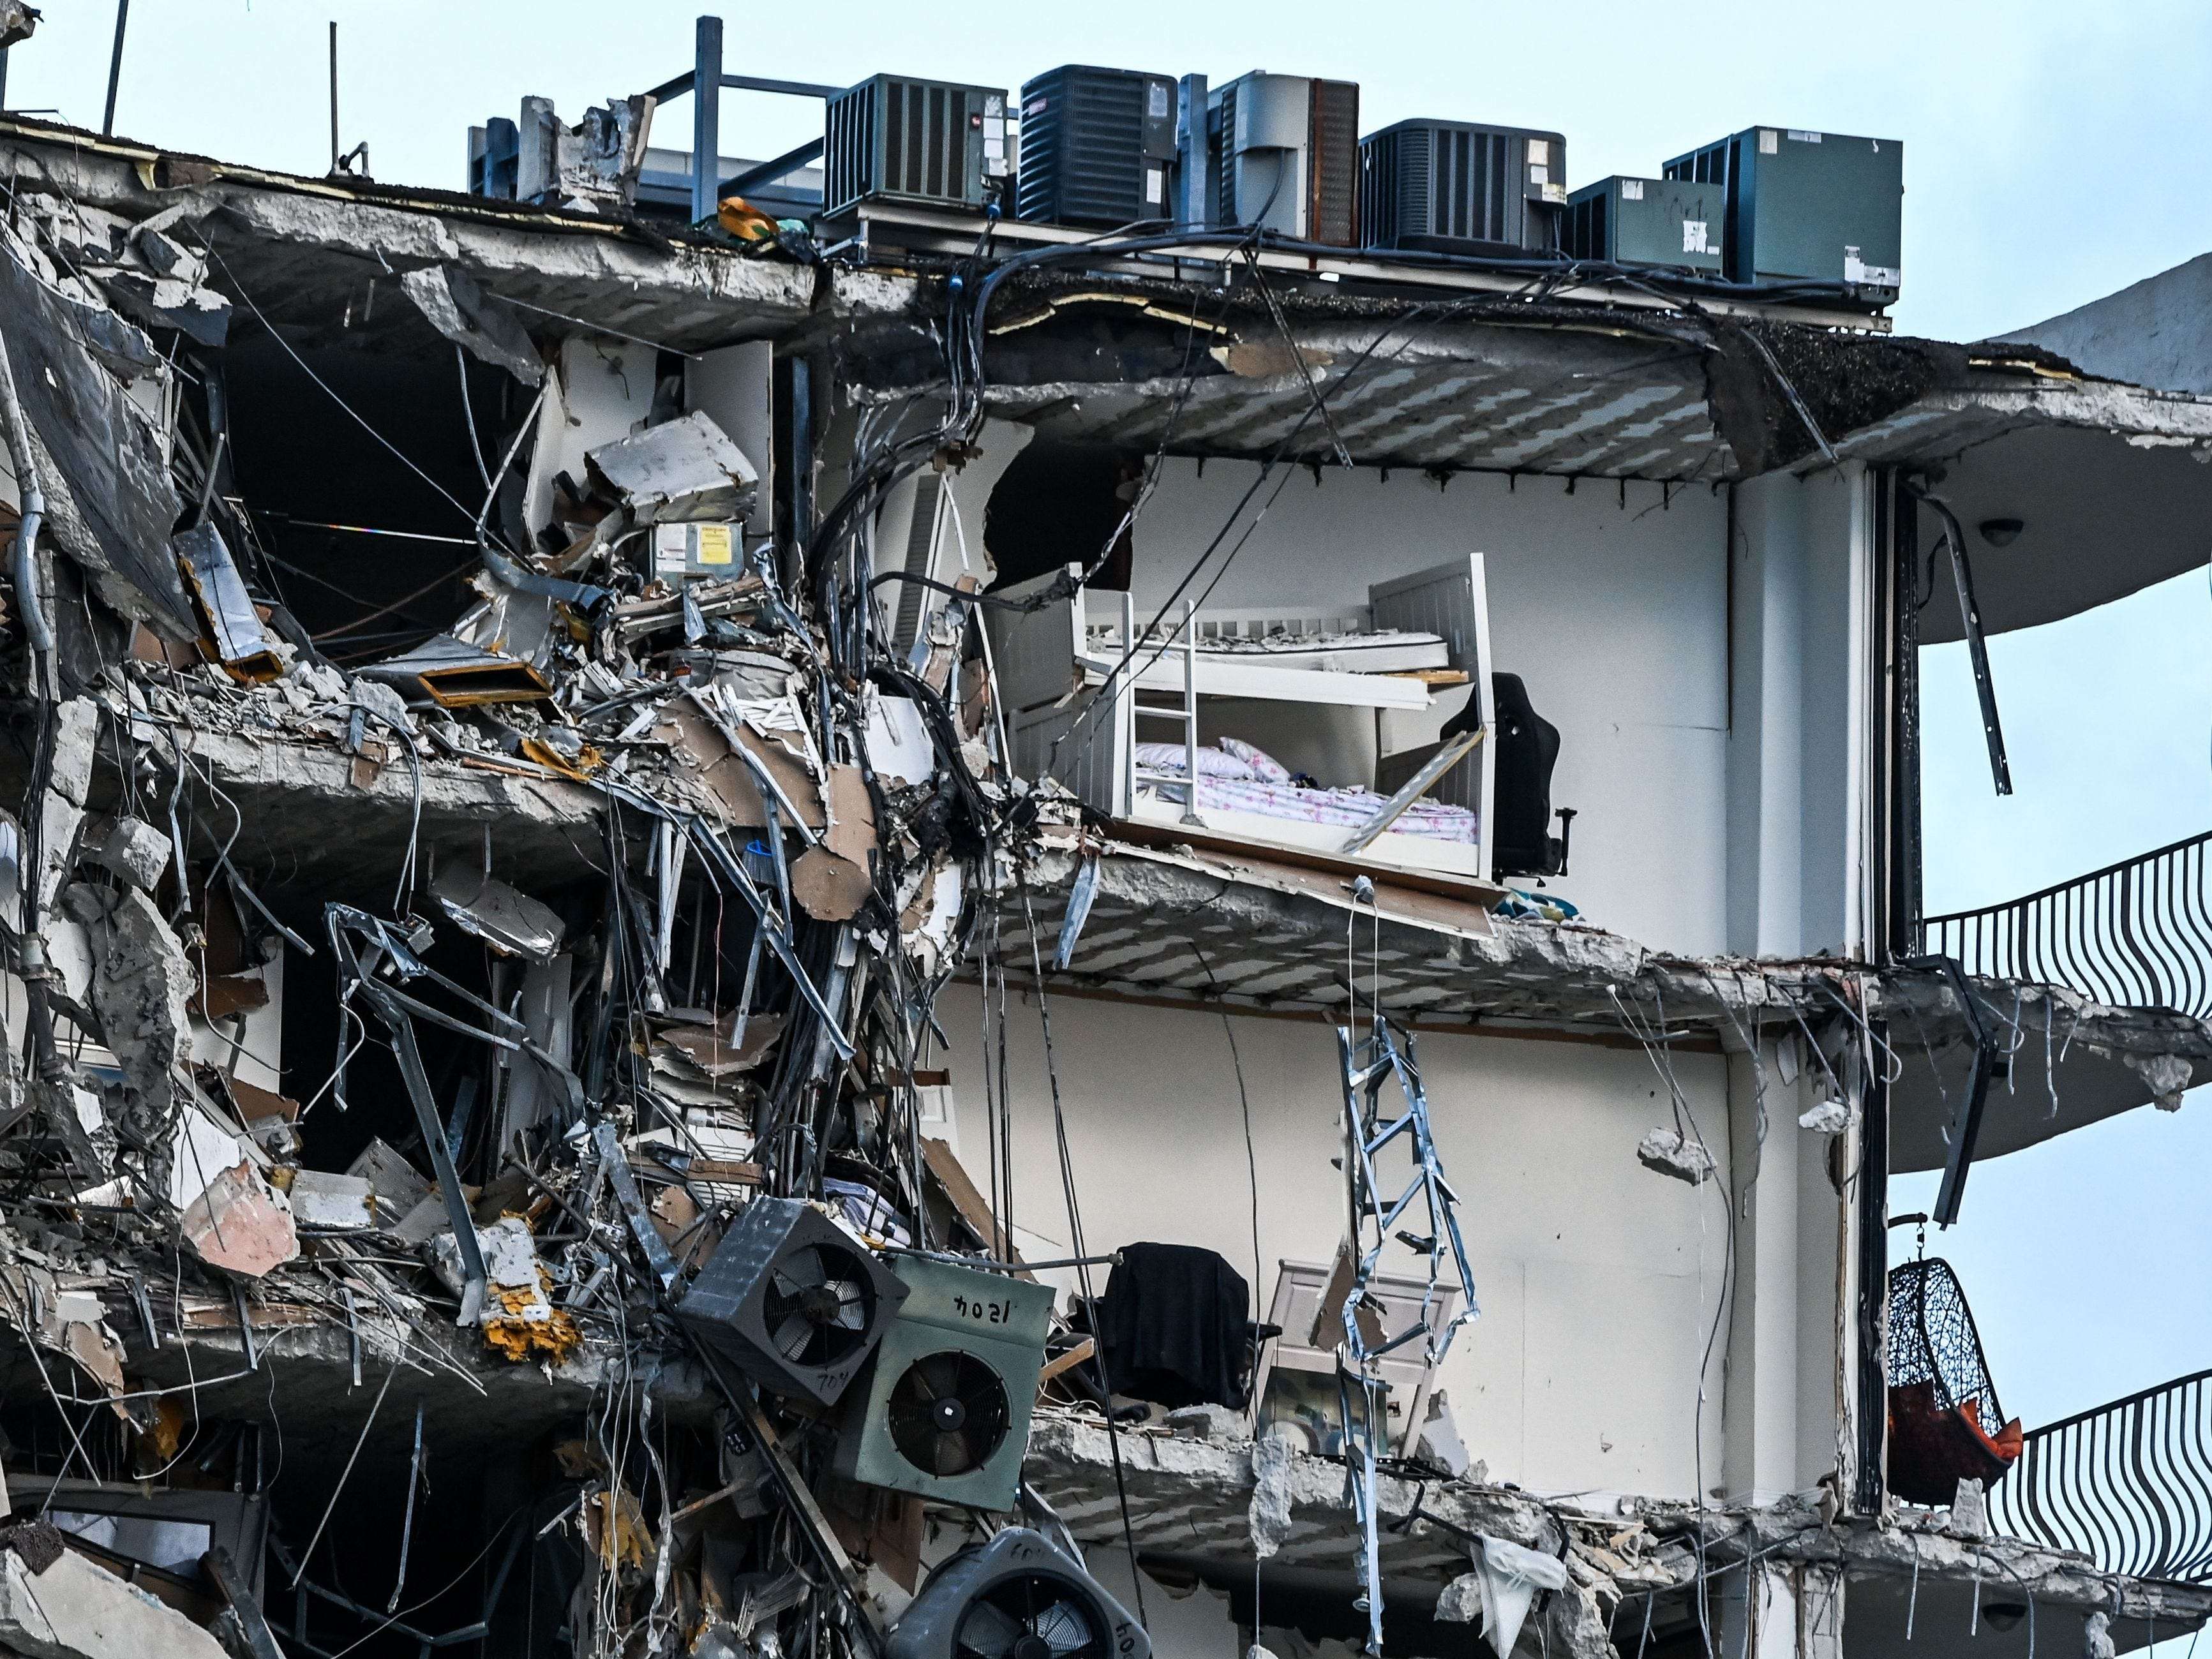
{"type": "Point", "coordinates": [1527, 748]}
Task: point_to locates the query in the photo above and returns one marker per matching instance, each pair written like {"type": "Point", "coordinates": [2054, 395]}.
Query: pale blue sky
{"type": "Point", "coordinates": [2053, 152]}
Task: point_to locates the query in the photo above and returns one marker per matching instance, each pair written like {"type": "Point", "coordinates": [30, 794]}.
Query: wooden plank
{"type": "Point", "coordinates": [961, 1193]}
{"type": "Point", "coordinates": [1069, 1361]}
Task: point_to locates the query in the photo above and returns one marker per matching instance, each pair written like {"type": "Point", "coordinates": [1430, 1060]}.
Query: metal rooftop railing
{"type": "Point", "coordinates": [2133, 934]}
{"type": "Point", "coordinates": [2128, 1484]}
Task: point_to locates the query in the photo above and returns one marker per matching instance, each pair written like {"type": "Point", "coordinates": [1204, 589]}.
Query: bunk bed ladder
{"type": "Point", "coordinates": [1186, 637]}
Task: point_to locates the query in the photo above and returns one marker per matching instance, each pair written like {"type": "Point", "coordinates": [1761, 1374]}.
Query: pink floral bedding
{"type": "Point", "coordinates": [1349, 808]}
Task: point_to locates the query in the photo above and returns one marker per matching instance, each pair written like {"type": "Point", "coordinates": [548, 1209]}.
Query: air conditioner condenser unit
{"type": "Point", "coordinates": [945, 1410]}
{"type": "Point", "coordinates": [926, 142]}
{"type": "Point", "coordinates": [1671, 224]}
{"type": "Point", "coordinates": [1461, 187]}
{"type": "Point", "coordinates": [1098, 147]}
{"type": "Point", "coordinates": [1808, 207]}
{"type": "Point", "coordinates": [1286, 156]}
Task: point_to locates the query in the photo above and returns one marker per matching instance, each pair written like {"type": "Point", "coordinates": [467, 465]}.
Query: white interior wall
{"type": "Point", "coordinates": [602, 391]}
{"type": "Point", "coordinates": [732, 387]}
{"type": "Point", "coordinates": [1598, 1280]}
{"type": "Point", "coordinates": [1790, 747]}
{"type": "Point", "coordinates": [1612, 609]}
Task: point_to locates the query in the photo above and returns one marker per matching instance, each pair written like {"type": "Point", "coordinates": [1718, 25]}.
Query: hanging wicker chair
{"type": "Point", "coordinates": [1943, 1407]}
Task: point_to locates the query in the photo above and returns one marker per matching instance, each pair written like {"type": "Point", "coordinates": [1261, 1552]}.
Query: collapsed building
{"type": "Point", "coordinates": [621, 1040]}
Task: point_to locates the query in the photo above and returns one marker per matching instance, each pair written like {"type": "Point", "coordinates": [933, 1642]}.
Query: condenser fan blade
{"type": "Point", "coordinates": [954, 1454]}
{"type": "Point", "coordinates": [793, 1335]}
{"type": "Point", "coordinates": [1066, 1629]}
{"type": "Point", "coordinates": [989, 1631]}
{"type": "Point", "coordinates": [852, 1309]}
{"type": "Point", "coordinates": [798, 1271]}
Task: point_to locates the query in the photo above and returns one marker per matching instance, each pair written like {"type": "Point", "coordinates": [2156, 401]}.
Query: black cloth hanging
{"type": "Point", "coordinates": [1175, 1326]}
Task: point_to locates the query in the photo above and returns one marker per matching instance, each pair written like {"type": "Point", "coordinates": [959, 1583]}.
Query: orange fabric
{"type": "Point", "coordinates": [2008, 1443]}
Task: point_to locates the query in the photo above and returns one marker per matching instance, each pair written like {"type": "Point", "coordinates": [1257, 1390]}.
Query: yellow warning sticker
{"type": "Point", "coordinates": [715, 540]}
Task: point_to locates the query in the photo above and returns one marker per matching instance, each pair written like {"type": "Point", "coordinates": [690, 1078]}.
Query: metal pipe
{"type": "Point", "coordinates": [35, 626]}
{"type": "Point", "coordinates": [334, 95]}
{"type": "Point", "coordinates": [707, 120]}
{"type": "Point", "coordinates": [115, 69]}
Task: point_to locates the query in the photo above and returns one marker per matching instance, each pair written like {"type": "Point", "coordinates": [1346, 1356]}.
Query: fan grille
{"type": "Point", "coordinates": [948, 1413]}
{"type": "Point", "coordinates": [819, 1306]}
{"type": "Point", "coordinates": [1031, 1616]}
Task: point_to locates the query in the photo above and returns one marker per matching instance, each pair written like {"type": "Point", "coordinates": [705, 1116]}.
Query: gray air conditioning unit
{"type": "Point", "coordinates": [1457, 187]}
{"type": "Point", "coordinates": [930, 141]}
{"type": "Point", "coordinates": [1016, 1597]}
{"type": "Point", "coordinates": [1808, 207]}
{"type": "Point", "coordinates": [792, 1300]}
{"type": "Point", "coordinates": [1286, 153]}
{"type": "Point", "coordinates": [946, 1410]}
{"type": "Point", "coordinates": [1651, 223]}
{"type": "Point", "coordinates": [1098, 147]}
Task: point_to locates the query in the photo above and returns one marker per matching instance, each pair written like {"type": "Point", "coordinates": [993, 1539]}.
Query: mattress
{"type": "Point", "coordinates": [1391, 651]}
{"type": "Point", "coordinates": [1346, 808]}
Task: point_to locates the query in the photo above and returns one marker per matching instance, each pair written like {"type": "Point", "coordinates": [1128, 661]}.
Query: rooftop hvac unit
{"type": "Point", "coordinates": [890, 139]}
{"type": "Point", "coordinates": [1098, 146]}
{"type": "Point", "coordinates": [1807, 207]}
{"type": "Point", "coordinates": [1457, 187]}
{"type": "Point", "coordinates": [1016, 1597]}
{"type": "Point", "coordinates": [1654, 223]}
{"type": "Point", "coordinates": [1286, 153]}
{"type": "Point", "coordinates": [792, 1300]}
{"type": "Point", "coordinates": [946, 1410]}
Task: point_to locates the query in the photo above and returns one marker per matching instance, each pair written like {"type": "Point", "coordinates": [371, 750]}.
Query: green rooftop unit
{"type": "Point", "coordinates": [1808, 207]}
{"type": "Point", "coordinates": [1654, 224]}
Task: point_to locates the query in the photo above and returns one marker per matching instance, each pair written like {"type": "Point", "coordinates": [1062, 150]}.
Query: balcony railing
{"type": "Point", "coordinates": [2129, 1485]}
{"type": "Point", "coordinates": [2134, 934]}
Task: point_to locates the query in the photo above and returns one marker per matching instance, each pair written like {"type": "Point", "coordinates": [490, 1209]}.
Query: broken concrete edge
{"type": "Point", "coordinates": [539, 253]}
{"type": "Point", "coordinates": [1210, 1492]}
{"type": "Point", "coordinates": [1575, 975]}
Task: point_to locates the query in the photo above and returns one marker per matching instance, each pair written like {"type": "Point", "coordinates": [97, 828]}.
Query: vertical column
{"type": "Point", "coordinates": [1760, 1452]}
{"type": "Point", "coordinates": [707, 120]}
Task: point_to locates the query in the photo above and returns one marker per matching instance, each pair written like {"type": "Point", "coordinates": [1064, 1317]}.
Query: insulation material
{"type": "Point", "coordinates": [520, 1320]}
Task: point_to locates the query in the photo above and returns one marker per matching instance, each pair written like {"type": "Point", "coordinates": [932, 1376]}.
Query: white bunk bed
{"type": "Point", "coordinates": [1072, 708]}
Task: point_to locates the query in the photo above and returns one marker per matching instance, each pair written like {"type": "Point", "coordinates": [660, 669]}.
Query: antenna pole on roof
{"type": "Point", "coordinates": [334, 95]}
{"type": "Point", "coordinates": [115, 69]}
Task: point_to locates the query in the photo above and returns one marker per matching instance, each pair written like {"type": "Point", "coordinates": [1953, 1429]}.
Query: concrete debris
{"type": "Point", "coordinates": [129, 848]}
{"type": "Point", "coordinates": [1672, 1153]}
{"type": "Point", "coordinates": [1970, 1512]}
{"type": "Point", "coordinates": [2097, 1637]}
{"type": "Point", "coordinates": [1209, 1422]}
{"type": "Point", "coordinates": [460, 310]}
{"type": "Point", "coordinates": [17, 22]}
{"type": "Point", "coordinates": [77, 1610]}
{"type": "Point", "coordinates": [240, 1222]}
{"type": "Point", "coordinates": [1827, 1117]}
{"type": "Point", "coordinates": [140, 987]}
{"type": "Point", "coordinates": [1270, 1513]}
{"type": "Point", "coordinates": [2166, 1074]}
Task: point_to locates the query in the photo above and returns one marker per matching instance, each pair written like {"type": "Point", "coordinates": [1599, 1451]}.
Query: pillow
{"type": "Point", "coordinates": [1265, 767]}
{"type": "Point", "coordinates": [1211, 762]}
